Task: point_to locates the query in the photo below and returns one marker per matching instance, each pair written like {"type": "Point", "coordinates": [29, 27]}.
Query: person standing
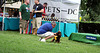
{"type": "Point", "coordinates": [44, 7]}
{"type": "Point", "coordinates": [16, 13]}
{"type": "Point", "coordinates": [1, 12]}
{"type": "Point", "coordinates": [37, 17]}
{"type": "Point", "coordinates": [24, 13]}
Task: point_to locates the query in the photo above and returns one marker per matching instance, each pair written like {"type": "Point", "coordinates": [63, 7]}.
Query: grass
{"type": "Point", "coordinates": [13, 42]}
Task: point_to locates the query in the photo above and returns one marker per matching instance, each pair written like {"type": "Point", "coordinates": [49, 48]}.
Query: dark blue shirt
{"type": "Point", "coordinates": [38, 7]}
{"type": "Point", "coordinates": [45, 28]}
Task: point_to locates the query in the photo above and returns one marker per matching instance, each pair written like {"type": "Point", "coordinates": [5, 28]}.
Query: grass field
{"type": "Point", "coordinates": [13, 42]}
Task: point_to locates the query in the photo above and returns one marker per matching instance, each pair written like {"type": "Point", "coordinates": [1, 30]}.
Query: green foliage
{"type": "Point", "coordinates": [92, 8]}
{"type": "Point", "coordinates": [90, 21]}
{"type": "Point", "coordinates": [98, 18]}
{"type": "Point", "coordinates": [86, 17]}
{"type": "Point", "coordinates": [83, 4]}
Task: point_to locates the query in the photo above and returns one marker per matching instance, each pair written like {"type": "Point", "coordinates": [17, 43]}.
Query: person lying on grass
{"type": "Point", "coordinates": [46, 31]}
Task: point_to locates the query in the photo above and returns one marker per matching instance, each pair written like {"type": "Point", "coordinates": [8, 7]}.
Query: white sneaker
{"type": "Point", "coordinates": [43, 40]}
{"type": "Point", "coordinates": [40, 39]}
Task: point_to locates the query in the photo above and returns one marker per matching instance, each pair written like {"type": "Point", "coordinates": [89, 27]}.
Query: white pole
{"type": "Point", "coordinates": [78, 23]}
{"type": "Point", "coordinates": [3, 18]}
{"type": "Point", "coordinates": [78, 19]}
{"type": "Point", "coordinates": [55, 15]}
{"type": "Point", "coordinates": [60, 15]}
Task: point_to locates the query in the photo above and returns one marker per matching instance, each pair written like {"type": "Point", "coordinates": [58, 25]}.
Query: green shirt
{"type": "Point", "coordinates": [25, 11]}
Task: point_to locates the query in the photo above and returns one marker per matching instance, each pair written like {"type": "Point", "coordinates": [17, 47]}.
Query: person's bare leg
{"type": "Point", "coordinates": [34, 30]}
{"type": "Point", "coordinates": [20, 30]}
{"type": "Point", "coordinates": [49, 37]}
{"type": "Point", "coordinates": [23, 31]}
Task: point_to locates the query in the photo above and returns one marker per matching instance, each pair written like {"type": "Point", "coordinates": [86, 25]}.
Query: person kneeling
{"type": "Point", "coordinates": [46, 31]}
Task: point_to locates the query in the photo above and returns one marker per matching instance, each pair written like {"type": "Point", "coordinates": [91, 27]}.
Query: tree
{"type": "Point", "coordinates": [92, 8]}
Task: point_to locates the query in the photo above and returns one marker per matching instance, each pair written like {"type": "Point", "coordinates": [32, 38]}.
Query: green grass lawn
{"type": "Point", "coordinates": [13, 42]}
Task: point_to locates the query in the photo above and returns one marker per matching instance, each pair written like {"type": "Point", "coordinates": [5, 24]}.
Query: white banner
{"type": "Point", "coordinates": [65, 9]}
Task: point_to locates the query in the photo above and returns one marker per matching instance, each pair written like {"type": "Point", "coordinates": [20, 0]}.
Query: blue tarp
{"type": "Point", "coordinates": [10, 23]}
{"type": "Point", "coordinates": [70, 28]}
{"type": "Point", "coordinates": [0, 19]}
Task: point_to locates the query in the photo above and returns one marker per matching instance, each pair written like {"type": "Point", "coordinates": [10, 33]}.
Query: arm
{"type": "Point", "coordinates": [44, 14]}
{"type": "Point", "coordinates": [34, 7]}
{"type": "Point", "coordinates": [20, 10]}
{"type": "Point", "coordinates": [20, 16]}
{"type": "Point", "coordinates": [33, 10]}
{"type": "Point", "coordinates": [41, 11]}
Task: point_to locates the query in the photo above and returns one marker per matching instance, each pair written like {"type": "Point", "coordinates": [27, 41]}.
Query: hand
{"type": "Point", "coordinates": [54, 33]}
{"type": "Point", "coordinates": [47, 14]}
{"type": "Point", "coordinates": [20, 18]}
{"type": "Point", "coordinates": [35, 11]}
{"type": "Point", "coordinates": [28, 21]}
{"type": "Point", "coordinates": [44, 14]}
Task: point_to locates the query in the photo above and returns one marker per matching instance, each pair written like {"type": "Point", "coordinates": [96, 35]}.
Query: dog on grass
{"type": "Point", "coordinates": [57, 37]}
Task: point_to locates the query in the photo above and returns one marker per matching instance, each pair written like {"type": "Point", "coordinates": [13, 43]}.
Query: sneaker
{"type": "Point", "coordinates": [40, 39]}
{"type": "Point", "coordinates": [43, 40]}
